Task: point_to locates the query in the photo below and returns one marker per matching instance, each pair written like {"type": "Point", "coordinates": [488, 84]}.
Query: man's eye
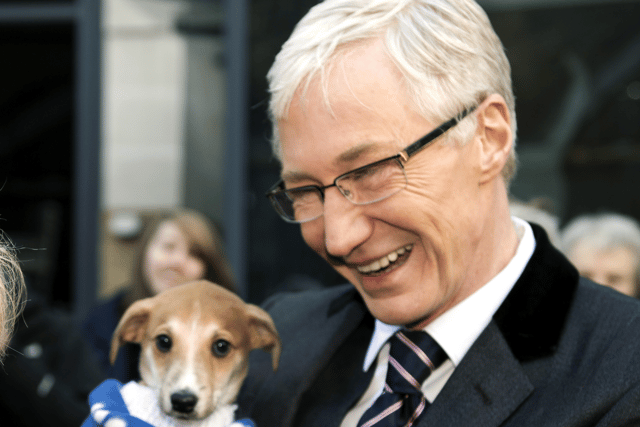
{"type": "Point", "coordinates": [302, 197]}
{"type": "Point", "coordinates": [363, 173]}
{"type": "Point", "coordinates": [304, 203]}
{"type": "Point", "coordinates": [372, 177]}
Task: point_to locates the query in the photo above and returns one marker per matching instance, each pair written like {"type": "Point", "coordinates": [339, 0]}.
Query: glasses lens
{"type": "Point", "coordinates": [373, 182]}
{"type": "Point", "coordinates": [298, 204]}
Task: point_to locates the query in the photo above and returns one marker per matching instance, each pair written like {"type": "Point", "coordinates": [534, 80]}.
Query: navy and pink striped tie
{"type": "Point", "coordinates": [413, 356]}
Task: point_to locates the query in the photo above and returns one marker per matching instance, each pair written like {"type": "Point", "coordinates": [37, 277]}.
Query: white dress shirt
{"type": "Point", "coordinates": [452, 330]}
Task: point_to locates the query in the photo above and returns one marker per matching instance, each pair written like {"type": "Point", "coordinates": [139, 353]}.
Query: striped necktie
{"type": "Point", "coordinates": [413, 356]}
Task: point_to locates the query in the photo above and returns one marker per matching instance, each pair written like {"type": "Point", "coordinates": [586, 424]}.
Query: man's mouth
{"type": "Point", "coordinates": [386, 262]}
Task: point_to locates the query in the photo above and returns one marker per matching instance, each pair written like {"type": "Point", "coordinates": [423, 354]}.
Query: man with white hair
{"type": "Point", "coordinates": [394, 123]}
{"type": "Point", "coordinates": [606, 249]}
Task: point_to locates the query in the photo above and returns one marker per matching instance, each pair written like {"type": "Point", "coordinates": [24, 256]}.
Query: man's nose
{"type": "Point", "coordinates": [345, 224]}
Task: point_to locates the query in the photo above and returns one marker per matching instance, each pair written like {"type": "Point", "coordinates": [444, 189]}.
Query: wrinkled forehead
{"type": "Point", "coordinates": [360, 72]}
{"type": "Point", "coordinates": [359, 107]}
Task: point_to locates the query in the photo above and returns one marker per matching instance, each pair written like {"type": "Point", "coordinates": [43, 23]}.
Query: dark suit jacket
{"type": "Point", "coordinates": [560, 351]}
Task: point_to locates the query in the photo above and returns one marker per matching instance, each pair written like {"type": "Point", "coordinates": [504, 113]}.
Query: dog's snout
{"type": "Point", "coordinates": [183, 401]}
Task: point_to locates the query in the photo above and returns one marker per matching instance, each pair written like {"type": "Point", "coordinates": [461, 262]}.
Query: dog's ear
{"type": "Point", "coordinates": [132, 326]}
{"type": "Point", "coordinates": [264, 334]}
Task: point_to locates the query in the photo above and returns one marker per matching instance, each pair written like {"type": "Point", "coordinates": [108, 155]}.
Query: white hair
{"type": "Point", "coordinates": [604, 231]}
{"type": "Point", "coordinates": [447, 51]}
{"type": "Point", "coordinates": [12, 292]}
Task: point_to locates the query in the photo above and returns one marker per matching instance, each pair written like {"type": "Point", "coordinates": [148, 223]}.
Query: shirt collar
{"type": "Point", "coordinates": [452, 330]}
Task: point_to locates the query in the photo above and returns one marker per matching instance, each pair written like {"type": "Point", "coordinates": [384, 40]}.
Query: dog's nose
{"type": "Point", "coordinates": [183, 401]}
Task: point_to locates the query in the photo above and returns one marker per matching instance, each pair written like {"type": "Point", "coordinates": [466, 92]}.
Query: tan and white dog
{"type": "Point", "coordinates": [195, 341]}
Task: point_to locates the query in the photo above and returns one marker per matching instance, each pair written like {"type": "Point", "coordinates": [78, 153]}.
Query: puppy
{"type": "Point", "coordinates": [195, 341]}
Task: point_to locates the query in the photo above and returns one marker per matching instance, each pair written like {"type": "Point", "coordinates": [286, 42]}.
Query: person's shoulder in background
{"type": "Point", "coordinates": [49, 369]}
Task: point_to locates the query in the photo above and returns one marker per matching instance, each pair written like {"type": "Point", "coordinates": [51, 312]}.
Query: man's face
{"type": "Point", "coordinates": [613, 267]}
{"type": "Point", "coordinates": [430, 233]}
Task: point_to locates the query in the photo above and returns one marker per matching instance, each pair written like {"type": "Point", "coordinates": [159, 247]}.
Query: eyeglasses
{"type": "Point", "coordinates": [362, 186]}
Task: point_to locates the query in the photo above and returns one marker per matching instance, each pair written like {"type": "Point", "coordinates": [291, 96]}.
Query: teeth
{"type": "Point", "coordinates": [384, 261]}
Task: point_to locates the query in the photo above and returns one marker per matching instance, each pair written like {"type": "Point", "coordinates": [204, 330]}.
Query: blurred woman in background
{"type": "Point", "coordinates": [177, 247]}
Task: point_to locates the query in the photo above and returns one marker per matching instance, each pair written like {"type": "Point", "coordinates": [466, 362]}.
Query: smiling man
{"type": "Point", "coordinates": [394, 122]}
{"type": "Point", "coordinates": [410, 254]}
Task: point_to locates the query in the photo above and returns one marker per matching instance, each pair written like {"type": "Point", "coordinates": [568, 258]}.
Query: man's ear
{"type": "Point", "coordinates": [494, 128]}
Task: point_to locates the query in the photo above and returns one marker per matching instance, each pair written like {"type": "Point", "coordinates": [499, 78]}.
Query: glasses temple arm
{"type": "Point", "coordinates": [434, 134]}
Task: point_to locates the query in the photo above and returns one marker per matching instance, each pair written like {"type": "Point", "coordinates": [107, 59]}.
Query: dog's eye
{"type": "Point", "coordinates": [163, 342]}
{"type": "Point", "coordinates": [221, 348]}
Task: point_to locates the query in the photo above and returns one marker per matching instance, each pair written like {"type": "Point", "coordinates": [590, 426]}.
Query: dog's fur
{"type": "Point", "coordinates": [195, 339]}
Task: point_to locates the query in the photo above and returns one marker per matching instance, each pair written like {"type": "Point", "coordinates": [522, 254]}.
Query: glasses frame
{"type": "Point", "coordinates": [402, 156]}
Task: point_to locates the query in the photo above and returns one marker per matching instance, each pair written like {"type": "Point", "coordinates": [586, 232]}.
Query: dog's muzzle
{"type": "Point", "coordinates": [183, 402]}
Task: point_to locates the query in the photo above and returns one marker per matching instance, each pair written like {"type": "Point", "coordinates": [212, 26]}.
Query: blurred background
{"type": "Point", "coordinates": [113, 110]}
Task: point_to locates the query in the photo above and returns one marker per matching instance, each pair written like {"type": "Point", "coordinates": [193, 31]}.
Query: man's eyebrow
{"type": "Point", "coordinates": [352, 154]}
{"type": "Point", "coordinates": [357, 151]}
{"type": "Point", "coordinates": [295, 176]}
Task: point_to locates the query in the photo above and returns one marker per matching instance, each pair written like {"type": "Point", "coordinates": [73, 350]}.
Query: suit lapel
{"type": "Point", "coordinates": [339, 384]}
{"type": "Point", "coordinates": [491, 382]}
{"type": "Point", "coordinates": [532, 316]}
{"type": "Point", "coordinates": [487, 386]}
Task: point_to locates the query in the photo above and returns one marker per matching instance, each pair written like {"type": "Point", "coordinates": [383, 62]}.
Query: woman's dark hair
{"type": "Point", "coordinates": [206, 244]}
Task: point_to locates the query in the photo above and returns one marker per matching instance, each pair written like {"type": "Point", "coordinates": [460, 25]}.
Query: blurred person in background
{"type": "Point", "coordinates": [48, 370]}
{"type": "Point", "coordinates": [176, 247]}
{"type": "Point", "coordinates": [12, 293]}
{"type": "Point", "coordinates": [538, 211]}
{"type": "Point", "coordinates": [606, 249]}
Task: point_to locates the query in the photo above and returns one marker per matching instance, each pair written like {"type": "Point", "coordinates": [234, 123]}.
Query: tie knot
{"type": "Point", "coordinates": [412, 357]}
